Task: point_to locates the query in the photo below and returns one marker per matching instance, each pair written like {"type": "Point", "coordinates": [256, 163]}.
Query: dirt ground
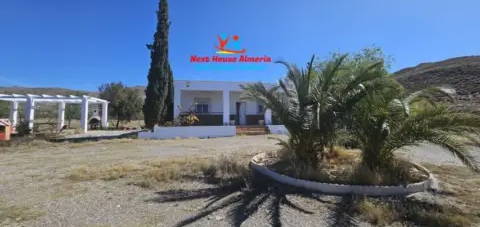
{"type": "Point", "coordinates": [36, 188]}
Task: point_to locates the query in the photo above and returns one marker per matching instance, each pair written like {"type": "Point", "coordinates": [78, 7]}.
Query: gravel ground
{"type": "Point", "coordinates": [34, 179]}
{"type": "Point", "coordinates": [434, 154]}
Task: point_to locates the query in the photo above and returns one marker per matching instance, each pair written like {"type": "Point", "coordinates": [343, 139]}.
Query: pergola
{"type": "Point", "coordinates": [31, 101]}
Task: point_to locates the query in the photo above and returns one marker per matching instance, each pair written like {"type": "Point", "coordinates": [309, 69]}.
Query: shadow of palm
{"type": "Point", "coordinates": [244, 196]}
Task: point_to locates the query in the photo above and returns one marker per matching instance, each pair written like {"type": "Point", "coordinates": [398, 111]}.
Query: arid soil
{"type": "Point", "coordinates": [36, 187]}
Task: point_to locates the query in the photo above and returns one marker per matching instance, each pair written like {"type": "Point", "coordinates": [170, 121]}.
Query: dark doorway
{"type": "Point", "coordinates": [241, 113]}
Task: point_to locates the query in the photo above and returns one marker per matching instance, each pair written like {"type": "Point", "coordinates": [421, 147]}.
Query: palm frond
{"type": "Point", "coordinates": [458, 149]}
{"type": "Point", "coordinates": [429, 95]}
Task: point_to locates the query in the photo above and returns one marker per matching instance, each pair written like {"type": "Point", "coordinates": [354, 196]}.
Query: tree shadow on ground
{"type": "Point", "coordinates": [244, 196]}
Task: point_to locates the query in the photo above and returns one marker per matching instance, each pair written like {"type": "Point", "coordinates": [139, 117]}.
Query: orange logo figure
{"type": "Point", "coordinates": [226, 47]}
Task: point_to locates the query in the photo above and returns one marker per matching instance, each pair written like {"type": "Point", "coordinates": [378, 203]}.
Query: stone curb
{"type": "Point", "coordinates": [343, 189]}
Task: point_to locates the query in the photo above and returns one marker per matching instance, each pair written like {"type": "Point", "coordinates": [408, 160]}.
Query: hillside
{"type": "Point", "coordinates": [56, 91]}
{"type": "Point", "coordinates": [43, 90]}
{"type": "Point", "coordinates": [462, 73]}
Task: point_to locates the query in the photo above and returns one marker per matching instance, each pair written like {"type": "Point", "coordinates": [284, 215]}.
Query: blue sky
{"type": "Point", "coordinates": [82, 44]}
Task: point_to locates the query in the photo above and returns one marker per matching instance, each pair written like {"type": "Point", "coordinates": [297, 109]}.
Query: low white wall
{"type": "Point", "coordinates": [188, 132]}
{"type": "Point", "coordinates": [277, 129]}
{"type": "Point", "coordinates": [341, 189]}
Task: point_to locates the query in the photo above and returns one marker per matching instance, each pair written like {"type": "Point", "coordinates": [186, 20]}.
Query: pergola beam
{"type": "Point", "coordinates": [13, 113]}
{"type": "Point", "coordinates": [105, 115]}
{"type": "Point", "coordinates": [30, 112]}
{"type": "Point", "coordinates": [32, 100]}
{"type": "Point", "coordinates": [84, 115]}
{"type": "Point", "coordinates": [61, 116]}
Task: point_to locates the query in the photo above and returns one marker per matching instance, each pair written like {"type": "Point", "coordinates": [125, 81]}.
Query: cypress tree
{"type": "Point", "coordinates": [158, 106]}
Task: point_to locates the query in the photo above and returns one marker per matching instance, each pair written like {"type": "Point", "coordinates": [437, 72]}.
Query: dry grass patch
{"type": "Point", "coordinates": [460, 185]}
{"type": "Point", "coordinates": [456, 205]}
{"type": "Point", "coordinates": [86, 173]}
{"type": "Point", "coordinates": [377, 213]}
{"type": "Point", "coordinates": [442, 217]}
{"type": "Point", "coordinates": [387, 211]}
{"type": "Point", "coordinates": [344, 166]}
{"type": "Point", "coordinates": [148, 173]}
{"type": "Point", "coordinates": [17, 214]}
{"type": "Point", "coordinates": [25, 144]}
{"type": "Point", "coordinates": [401, 172]}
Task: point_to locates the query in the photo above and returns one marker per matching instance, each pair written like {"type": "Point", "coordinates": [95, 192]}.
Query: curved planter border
{"type": "Point", "coordinates": [343, 189]}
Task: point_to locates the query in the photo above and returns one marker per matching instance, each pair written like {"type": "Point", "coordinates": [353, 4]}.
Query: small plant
{"type": "Point", "coordinates": [376, 213]}
{"type": "Point", "coordinates": [188, 118]}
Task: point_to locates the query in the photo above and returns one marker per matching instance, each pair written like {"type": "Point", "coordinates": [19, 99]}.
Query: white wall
{"type": "Point", "coordinates": [251, 105]}
{"type": "Point", "coordinates": [277, 129]}
{"type": "Point", "coordinates": [199, 85]}
{"type": "Point", "coordinates": [185, 86]}
{"type": "Point", "coordinates": [216, 101]}
{"type": "Point", "coordinates": [188, 132]}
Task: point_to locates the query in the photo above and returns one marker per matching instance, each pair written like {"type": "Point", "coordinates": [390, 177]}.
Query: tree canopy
{"type": "Point", "coordinates": [158, 106]}
{"type": "Point", "coordinates": [125, 103]}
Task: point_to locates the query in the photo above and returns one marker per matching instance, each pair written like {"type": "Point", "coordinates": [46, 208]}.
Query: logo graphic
{"type": "Point", "coordinates": [229, 45]}
{"type": "Point", "coordinates": [230, 55]}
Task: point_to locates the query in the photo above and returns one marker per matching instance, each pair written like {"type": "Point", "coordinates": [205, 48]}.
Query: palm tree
{"type": "Point", "coordinates": [291, 102]}
{"type": "Point", "coordinates": [386, 120]}
{"type": "Point", "coordinates": [311, 102]}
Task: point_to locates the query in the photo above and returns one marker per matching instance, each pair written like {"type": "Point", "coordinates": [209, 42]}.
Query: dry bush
{"type": "Point", "coordinates": [148, 173]}
{"type": "Point", "coordinates": [106, 173]}
{"type": "Point", "coordinates": [442, 217]}
{"type": "Point", "coordinates": [344, 166]}
{"type": "Point", "coordinates": [226, 167]}
{"type": "Point", "coordinates": [377, 213]}
{"type": "Point", "coordinates": [172, 169]}
{"type": "Point", "coordinates": [20, 144]}
{"type": "Point", "coordinates": [401, 172]}
{"type": "Point", "coordinates": [384, 212]}
{"type": "Point", "coordinates": [337, 166]}
{"type": "Point", "coordinates": [342, 156]}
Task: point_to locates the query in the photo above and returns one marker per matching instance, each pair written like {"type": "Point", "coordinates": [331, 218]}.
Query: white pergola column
{"type": "Point", "coordinates": [84, 115]}
{"type": "Point", "coordinates": [14, 113]}
{"type": "Point", "coordinates": [177, 97]}
{"type": "Point", "coordinates": [268, 117]}
{"type": "Point", "coordinates": [61, 116]}
{"type": "Point", "coordinates": [30, 111]}
{"type": "Point", "coordinates": [105, 115]}
{"type": "Point", "coordinates": [226, 107]}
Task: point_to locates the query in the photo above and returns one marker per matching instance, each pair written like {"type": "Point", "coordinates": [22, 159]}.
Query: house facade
{"type": "Point", "coordinates": [218, 103]}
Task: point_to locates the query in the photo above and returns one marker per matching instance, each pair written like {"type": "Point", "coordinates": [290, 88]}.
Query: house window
{"type": "Point", "coordinates": [201, 105]}
{"type": "Point", "coordinates": [201, 108]}
{"type": "Point", "coordinates": [260, 109]}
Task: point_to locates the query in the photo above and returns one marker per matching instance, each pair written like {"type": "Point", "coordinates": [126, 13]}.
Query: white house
{"type": "Point", "coordinates": [218, 103]}
{"type": "Point", "coordinates": [220, 109]}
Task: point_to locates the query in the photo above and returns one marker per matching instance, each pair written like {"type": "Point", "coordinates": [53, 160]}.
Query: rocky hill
{"type": "Point", "coordinates": [43, 90]}
{"type": "Point", "coordinates": [56, 91]}
{"type": "Point", "coordinates": [462, 74]}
